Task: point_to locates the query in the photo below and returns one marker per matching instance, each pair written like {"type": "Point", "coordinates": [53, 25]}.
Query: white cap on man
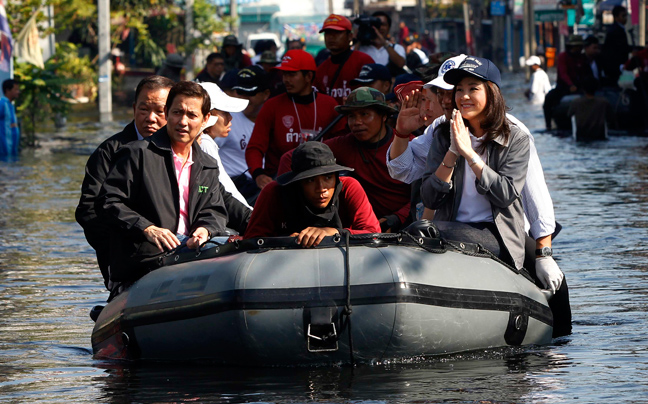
{"type": "Point", "coordinates": [222, 102]}
{"type": "Point", "coordinates": [533, 60]}
{"type": "Point", "coordinates": [449, 64]}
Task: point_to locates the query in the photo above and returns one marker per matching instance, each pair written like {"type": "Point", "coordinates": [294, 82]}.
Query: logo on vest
{"type": "Point", "coordinates": [288, 121]}
{"type": "Point", "coordinates": [202, 189]}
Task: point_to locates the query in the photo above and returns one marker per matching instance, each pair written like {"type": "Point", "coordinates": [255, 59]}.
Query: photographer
{"type": "Point", "coordinates": [378, 44]}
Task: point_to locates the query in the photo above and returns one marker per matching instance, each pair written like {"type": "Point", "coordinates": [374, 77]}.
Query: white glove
{"type": "Point", "coordinates": [548, 273]}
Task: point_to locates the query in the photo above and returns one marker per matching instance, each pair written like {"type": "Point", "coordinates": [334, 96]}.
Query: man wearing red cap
{"type": "Point", "coordinates": [334, 75]}
{"type": "Point", "coordinates": [289, 119]}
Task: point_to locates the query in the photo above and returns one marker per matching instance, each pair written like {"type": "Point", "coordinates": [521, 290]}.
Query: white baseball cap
{"type": "Point", "coordinates": [222, 102]}
{"type": "Point", "coordinates": [449, 64]}
{"type": "Point", "coordinates": [533, 60]}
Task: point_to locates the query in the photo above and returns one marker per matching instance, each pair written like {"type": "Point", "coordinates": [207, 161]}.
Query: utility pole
{"type": "Point", "coordinates": [330, 6]}
{"type": "Point", "coordinates": [234, 16]}
{"type": "Point", "coordinates": [356, 7]}
{"type": "Point", "coordinates": [422, 14]}
{"type": "Point", "coordinates": [470, 46]}
{"type": "Point", "coordinates": [105, 63]}
{"type": "Point", "coordinates": [189, 74]}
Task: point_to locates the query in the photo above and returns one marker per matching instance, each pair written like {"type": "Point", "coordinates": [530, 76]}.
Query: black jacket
{"type": "Point", "coordinates": [96, 171]}
{"type": "Point", "coordinates": [142, 190]}
{"type": "Point", "coordinates": [615, 51]}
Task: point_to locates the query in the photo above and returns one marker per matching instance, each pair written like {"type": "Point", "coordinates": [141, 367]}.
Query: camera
{"type": "Point", "coordinates": [366, 33]}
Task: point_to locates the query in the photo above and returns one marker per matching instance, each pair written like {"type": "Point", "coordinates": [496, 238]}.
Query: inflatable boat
{"type": "Point", "coordinates": [353, 299]}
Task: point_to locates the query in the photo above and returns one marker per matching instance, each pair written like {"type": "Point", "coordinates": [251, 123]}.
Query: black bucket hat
{"type": "Point", "coordinates": [309, 160]}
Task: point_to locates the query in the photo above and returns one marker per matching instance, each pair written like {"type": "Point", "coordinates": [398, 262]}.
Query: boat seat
{"type": "Point", "coordinates": [423, 228]}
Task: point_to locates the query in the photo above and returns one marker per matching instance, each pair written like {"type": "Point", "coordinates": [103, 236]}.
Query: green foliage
{"type": "Point", "coordinates": [42, 94]}
{"type": "Point", "coordinates": [438, 10]}
{"type": "Point", "coordinates": [205, 24]}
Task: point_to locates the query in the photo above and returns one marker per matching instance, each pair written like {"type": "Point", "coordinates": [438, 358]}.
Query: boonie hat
{"type": "Point", "coordinates": [221, 102]}
{"type": "Point", "coordinates": [231, 40]}
{"type": "Point", "coordinates": [574, 40]}
{"type": "Point", "coordinates": [174, 60]}
{"type": "Point", "coordinates": [296, 60]}
{"type": "Point", "coordinates": [365, 97]}
{"type": "Point", "coordinates": [269, 57]}
{"type": "Point", "coordinates": [474, 66]}
{"type": "Point", "coordinates": [533, 60]}
{"type": "Point", "coordinates": [309, 160]}
{"type": "Point", "coordinates": [251, 80]}
{"type": "Point", "coordinates": [451, 63]}
{"type": "Point", "coordinates": [337, 23]}
{"type": "Point", "coordinates": [372, 72]}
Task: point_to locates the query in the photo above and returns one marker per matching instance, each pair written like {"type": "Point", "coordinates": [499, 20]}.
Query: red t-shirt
{"type": "Point", "coordinates": [269, 216]}
{"type": "Point", "coordinates": [342, 86]}
{"type": "Point", "coordinates": [386, 195]}
{"type": "Point", "coordinates": [278, 129]}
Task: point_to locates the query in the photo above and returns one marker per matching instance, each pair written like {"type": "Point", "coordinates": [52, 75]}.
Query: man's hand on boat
{"type": "Point", "coordinates": [198, 238]}
{"type": "Point", "coordinates": [164, 239]}
{"type": "Point", "coordinates": [312, 236]}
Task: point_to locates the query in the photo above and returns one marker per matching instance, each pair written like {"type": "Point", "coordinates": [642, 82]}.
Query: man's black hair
{"type": "Point", "coordinates": [8, 85]}
{"type": "Point", "coordinates": [214, 55]}
{"type": "Point", "coordinates": [384, 14]}
{"type": "Point", "coordinates": [618, 10]}
{"type": "Point", "coordinates": [153, 83]}
{"type": "Point", "coordinates": [591, 40]}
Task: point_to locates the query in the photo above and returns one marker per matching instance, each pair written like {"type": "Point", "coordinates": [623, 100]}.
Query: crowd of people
{"type": "Point", "coordinates": [586, 66]}
{"type": "Point", "coordinates": [339, 146]}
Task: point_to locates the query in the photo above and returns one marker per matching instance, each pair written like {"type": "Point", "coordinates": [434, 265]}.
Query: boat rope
{"type": "Point", "coordinates": [348, 310]}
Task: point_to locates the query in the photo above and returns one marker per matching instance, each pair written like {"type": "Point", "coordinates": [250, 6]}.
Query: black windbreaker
{"type": "Point", "coordinates": [142, 190]}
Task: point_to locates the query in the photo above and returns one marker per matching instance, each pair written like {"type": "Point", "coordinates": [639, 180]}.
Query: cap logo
{"type": "Point", "coordinates": [365, 71]}
{"type": "Point", "coordinates": [286, 59]}
{"type": "Point", "coordinates": [447, 65]}
{"type": "Point", "coordinates": [288, 121]}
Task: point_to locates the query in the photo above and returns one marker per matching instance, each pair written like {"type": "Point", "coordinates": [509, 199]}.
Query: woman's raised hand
{"type": "Point", "coordinates": [409, 117]}
{"type": "Point", "coordinates": [459, 136]}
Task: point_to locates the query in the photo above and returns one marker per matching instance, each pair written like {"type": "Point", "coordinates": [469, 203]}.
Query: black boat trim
{"type": "Point", "coordinates": [299, 298]}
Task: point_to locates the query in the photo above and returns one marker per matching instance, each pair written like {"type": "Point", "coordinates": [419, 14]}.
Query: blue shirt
{"type": "Point", "coordinates": [9, 132]}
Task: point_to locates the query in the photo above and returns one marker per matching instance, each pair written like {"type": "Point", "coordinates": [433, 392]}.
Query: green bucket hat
{"type": "Point", "coordinates": [365, 97]}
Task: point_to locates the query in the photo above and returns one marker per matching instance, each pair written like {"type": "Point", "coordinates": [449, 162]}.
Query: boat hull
{"type": "Point", "coordinates": [258, 307]}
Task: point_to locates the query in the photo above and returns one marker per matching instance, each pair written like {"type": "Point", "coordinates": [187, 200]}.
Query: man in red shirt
{"type": "Point", "coordinates": [334, 75]}
{"type": "Point", "coordinates": [289, 119]}
{"type": "Point", "coordinates": [365, 150]}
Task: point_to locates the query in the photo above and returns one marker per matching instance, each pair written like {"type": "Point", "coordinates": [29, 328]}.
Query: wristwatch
{"type": "Point", "coordinates": [544, 252]}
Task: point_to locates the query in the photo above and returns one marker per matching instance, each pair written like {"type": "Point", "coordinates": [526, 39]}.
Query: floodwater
{"type": "Point", "coordinates": [49, 281]}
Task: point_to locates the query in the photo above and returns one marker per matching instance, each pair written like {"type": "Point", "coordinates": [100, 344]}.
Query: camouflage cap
{"type": "Point", "coordinates": [365, 97]}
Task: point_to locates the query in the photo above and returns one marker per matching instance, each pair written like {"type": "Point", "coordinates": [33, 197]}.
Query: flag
{"type": "Point", "coordinates": [28, 43]}
{"type": "Point", "coordinates": [6, 47]}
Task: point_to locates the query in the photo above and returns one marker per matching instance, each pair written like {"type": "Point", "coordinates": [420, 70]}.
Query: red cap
{"type": "Point", "coordinates": [337, 23]}
{"type": "Point", "coordinates": [296, 60]}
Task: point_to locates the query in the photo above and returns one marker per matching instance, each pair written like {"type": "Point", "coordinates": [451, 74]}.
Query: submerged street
{"type": "Point", "coordinates": [49, 281]}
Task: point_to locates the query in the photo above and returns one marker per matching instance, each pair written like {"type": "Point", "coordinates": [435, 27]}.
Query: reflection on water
{"type": "Point", "coordinates": [49, 280]}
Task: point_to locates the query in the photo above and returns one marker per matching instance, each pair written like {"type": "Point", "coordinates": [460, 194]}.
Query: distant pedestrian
{"type": "Point", "coordinates": [540, 84]}
{"type": "Point", "coordinates": [233, 52]}
{"type": "Point", "coordinates": [590, 114]}
{"type": "Point", "coordinates": [172, 67]}
{"type": "Point", "coordinates": [9, 130]}
{"type": "Point", "coordinates": [214, 69]}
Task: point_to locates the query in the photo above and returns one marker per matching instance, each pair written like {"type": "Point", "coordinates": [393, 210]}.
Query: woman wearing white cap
{"type": "Point", "coordinates": [540, 84]}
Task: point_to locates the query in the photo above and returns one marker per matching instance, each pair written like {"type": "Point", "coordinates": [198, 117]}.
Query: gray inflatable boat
{"type": "Point", "coordinates": [267, 302]}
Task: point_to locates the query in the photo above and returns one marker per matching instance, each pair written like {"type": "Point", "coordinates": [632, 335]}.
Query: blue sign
{"type": "Point", "coordinates": [498, 8]}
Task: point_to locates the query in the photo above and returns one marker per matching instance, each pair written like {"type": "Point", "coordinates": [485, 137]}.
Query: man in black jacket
{"type": "Point", "coordinates": [148, 118]}
{"type": "Point", "coordinates": [163, 190]}
{"type": "Point", "coordinates": [616, 48]}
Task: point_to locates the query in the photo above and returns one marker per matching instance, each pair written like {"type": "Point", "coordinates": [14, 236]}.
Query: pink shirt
{"type": "Point", "coordinates": [183, 172]}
